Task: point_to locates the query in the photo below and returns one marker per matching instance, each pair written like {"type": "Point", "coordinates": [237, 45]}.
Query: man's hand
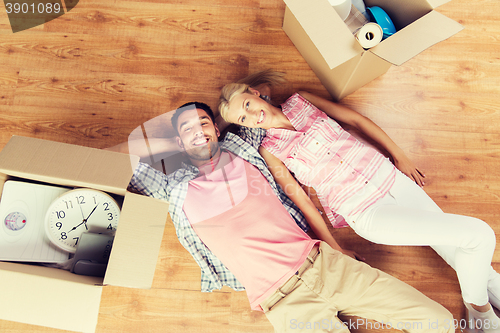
{"type": "Point", "coordinates": [353, 255]}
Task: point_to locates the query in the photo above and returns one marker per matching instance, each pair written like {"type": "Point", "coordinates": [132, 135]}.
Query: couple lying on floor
{"type": "Point", "coordinates": [239, 210]}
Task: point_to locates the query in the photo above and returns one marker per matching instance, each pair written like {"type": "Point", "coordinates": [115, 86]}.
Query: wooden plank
{"type": "Point", "coordinates": [95, 74]}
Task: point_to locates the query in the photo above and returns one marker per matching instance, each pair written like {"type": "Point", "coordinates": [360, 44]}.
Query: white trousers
{"type": "Point", "coordinates": [408, 216]}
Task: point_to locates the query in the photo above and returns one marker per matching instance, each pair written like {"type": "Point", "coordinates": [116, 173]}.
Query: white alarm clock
{"type": "Point", "coordinates": [78, 211]}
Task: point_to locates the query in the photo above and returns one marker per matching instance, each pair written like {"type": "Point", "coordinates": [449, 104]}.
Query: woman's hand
{"type": "Point", "coordinates": [407, 167]}
{"type": "Point", "coordinates": [370, 129]}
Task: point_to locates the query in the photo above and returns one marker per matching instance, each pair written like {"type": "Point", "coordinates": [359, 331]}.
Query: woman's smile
{"type": "Point", "coordinates": [262, 117]}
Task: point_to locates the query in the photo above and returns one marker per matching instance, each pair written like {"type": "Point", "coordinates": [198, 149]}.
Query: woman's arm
{"type": "Point", "coordinates": [293, 190]}
{"type": "Point", "coordinates": [365, 125]}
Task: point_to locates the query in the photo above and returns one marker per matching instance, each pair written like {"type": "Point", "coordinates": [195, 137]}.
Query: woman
{"type": "Point", "coordinates": [382, 202]}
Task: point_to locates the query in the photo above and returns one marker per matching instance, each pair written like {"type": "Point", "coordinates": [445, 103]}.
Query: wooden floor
{"type": "Point", "coordinates": [93, 75]}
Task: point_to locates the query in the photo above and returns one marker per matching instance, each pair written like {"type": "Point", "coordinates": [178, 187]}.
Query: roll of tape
{"type": "Point", "coordinates": [342, 7]}
{"type": "Point", "coordinates": [369, 35]}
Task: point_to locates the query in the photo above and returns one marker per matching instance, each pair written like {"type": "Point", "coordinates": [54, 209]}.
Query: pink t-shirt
{"type": "Point", "coordinates": [252, 234]}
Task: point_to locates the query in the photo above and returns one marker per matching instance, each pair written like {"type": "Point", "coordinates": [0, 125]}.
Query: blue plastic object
{"type": "Point", "coordinates": [379, 16]}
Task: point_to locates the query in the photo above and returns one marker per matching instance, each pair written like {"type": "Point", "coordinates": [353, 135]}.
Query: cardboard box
{"type": "Point", "coordinates": [57, 298]}
{"type": "Point", "coordinates": [335, 55]}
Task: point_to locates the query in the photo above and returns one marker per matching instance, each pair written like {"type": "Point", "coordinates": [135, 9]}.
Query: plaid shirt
{"type": "Point", "coordinates": [173, 188]}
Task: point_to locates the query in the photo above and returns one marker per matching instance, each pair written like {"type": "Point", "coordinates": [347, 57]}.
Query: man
{"type": "Point", "coordinates": [244, 232]}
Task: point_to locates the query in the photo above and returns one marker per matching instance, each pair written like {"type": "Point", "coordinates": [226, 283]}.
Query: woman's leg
{"type": "Point", "coordinates": [409, 217]}
{"type": "Point", "coordinates": [494, 288]}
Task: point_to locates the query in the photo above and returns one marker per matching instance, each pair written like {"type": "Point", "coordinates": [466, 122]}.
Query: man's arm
{"type": "Point", "coordinates": [138, 147]}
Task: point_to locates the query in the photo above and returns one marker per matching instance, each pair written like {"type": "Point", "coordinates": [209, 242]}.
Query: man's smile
{"type": "Point", "coordinates": [200, 141]}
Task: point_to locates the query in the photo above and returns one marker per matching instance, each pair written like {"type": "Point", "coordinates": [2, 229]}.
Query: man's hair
{"type": "Point", "coordinates": [191, 106]}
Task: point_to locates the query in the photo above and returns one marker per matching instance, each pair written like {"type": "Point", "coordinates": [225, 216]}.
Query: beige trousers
{"type": "Point", "coordinates": [330, 282]}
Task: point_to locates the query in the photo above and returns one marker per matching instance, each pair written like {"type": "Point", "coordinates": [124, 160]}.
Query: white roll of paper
{"type": "Point", "coordinates": [369, 35]}
{"type": "Point", "coordinates": [342, 7]}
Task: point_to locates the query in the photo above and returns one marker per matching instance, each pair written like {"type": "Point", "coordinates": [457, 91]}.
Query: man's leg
{"type": "Point", "coordinates": [337, 283]}
{"type": "Point", "coordinates": [355, 288]}
{"type": "Point", "coordinates": [303, 311]}
{"type": "Point", "coordinates": [295, 307]}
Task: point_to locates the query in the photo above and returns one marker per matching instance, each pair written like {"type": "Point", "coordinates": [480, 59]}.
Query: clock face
{"type": "Point", "coordinates": [78, 211]}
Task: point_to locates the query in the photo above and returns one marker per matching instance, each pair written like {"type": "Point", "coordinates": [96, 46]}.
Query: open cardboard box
{"type": "Point", "coordinates": [57, 298]}
{"type": "Point", "coordinates": [337, 58]}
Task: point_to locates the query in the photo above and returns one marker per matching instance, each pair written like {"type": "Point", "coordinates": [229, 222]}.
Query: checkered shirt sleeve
{"type": "Point", "coordinates": [252, 136]}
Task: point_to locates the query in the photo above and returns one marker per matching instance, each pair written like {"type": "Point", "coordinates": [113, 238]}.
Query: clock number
{"type": "Point", "coordinates": [76, 240]}
{"type": "Point", "coordinates": [110, 227]}
{"type": "Point", "coordinates": [110, 216]}
{"type": "Point", "coordinates": [69, 204]}
{"type": "Point", "coordinates": [59, 225]}
{"type": "Point", "coordinates": [63, 235]}
{"type": "Point", "coordinates": [80, 199]}
{"type": "Point", "coordinates": [61, 214]}
{"type": "Point", "coordinates": [107, 205]}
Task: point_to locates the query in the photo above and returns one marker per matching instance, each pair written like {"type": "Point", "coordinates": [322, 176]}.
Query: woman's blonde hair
{"type": "Point", "coordinates": [229, 91]}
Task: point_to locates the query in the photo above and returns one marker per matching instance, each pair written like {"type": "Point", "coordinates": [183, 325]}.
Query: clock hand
{"type": "Point", "coordinates": [83, 222]}
{"type": "Point", "coordinates": [91, 213]}
{"type": "Point", "coordinates": [83, 216]}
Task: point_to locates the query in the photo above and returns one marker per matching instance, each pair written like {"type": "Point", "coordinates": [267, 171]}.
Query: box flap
{"type": "Point", "coordinates": [368, 68]}
{"type": "Point", "coordinates": [137, 243]}
{"type": "Point", "coordinates": [326, 29]}
{"type": "Point", "coordinates": [416, 37]}
{"type": "Point", "coordinates": [437, 3]}
{"type": "Point", "coordinates": [55, 298]}
{"type": "Point", "coordinates": [66, 164]}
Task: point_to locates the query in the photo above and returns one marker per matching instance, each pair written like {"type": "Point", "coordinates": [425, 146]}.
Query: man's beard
{"type": "Point", "coordinates": [203, 153]}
